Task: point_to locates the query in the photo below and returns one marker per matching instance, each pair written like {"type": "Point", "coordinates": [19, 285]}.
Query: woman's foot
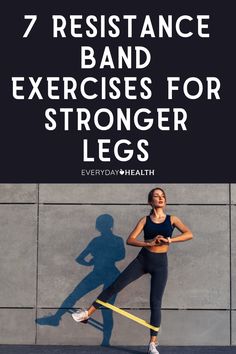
{"type": "Point", "coordinates": [152, 348]}
{"type": "Point", "coordinates": [80, 315]}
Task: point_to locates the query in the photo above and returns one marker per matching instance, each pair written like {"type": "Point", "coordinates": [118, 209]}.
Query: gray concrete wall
{"type": "Point", "coordinates": [44, 228]}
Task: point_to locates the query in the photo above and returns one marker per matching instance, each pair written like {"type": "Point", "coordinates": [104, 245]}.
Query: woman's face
{"type": "Point", "coordinates": [158, 199]}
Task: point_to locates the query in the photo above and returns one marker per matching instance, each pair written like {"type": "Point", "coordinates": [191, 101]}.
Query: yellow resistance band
{"type": "Point", "coordinates": [127, 314]}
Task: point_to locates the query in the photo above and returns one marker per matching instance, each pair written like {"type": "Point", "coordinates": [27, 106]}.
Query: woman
{"type": "Point", "coordinates": [152, 259]}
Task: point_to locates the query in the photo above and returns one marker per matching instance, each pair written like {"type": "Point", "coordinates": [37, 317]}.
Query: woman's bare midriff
{"type": "Point", "coordinates": [158, 249]}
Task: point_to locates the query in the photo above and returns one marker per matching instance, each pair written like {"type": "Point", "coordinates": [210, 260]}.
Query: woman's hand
{"type": "Point", "coordinates": [163, 240]}
{"type": "Point", "coordinates": [155, 241]}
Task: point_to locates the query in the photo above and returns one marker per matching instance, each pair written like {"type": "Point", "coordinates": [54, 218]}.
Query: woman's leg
{"type": "Point", "coordinates": [133, 271]}
{"type": "Point", "coordinates": [158, 283]}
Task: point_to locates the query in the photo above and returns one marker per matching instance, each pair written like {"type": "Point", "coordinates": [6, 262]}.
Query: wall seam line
{"type": "Point", "coordinates": [132, 204]}
{"type": "Point", "coordinates": [37, 255]}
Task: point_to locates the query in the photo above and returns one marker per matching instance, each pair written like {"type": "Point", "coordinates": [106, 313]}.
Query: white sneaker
{"type": "Point", "coordinates": [152, 348]}
{"type": "Point", "coordinates": [80, 315]}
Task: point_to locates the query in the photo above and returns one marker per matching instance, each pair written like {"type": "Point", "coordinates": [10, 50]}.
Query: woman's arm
{"type": "Point", "coordinates": [186, 233]}
{"type": "Point", "coordinates": [131, 240]}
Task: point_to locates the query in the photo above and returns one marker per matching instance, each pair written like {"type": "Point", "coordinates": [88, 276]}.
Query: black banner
{"type": "Point", "coordinates": [120, 92]}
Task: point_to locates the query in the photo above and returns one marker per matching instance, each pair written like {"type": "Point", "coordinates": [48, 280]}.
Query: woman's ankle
{"type": "Point", "coordinates": [91, 310]}
{"type": "Point", "coordinates": [154, 341]}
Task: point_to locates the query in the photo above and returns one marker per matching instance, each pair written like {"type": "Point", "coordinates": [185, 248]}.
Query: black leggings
{"type": "Point", "coordinates": [146, 262]}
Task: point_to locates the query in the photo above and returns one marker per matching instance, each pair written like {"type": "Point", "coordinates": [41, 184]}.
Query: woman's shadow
{"type": "Point", "coordinates": [103, 252]}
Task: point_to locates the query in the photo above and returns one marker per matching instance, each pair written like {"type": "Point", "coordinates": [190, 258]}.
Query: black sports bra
{"type": "Point", "coordinates": [152, 229]}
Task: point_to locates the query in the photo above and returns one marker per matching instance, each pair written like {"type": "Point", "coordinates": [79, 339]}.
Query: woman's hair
{"type": "Point", "coordinates": [150, 196]}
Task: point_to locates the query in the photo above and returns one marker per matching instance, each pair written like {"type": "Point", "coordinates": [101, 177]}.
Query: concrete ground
{"type": "Point", "coordinates": [61, 349]}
